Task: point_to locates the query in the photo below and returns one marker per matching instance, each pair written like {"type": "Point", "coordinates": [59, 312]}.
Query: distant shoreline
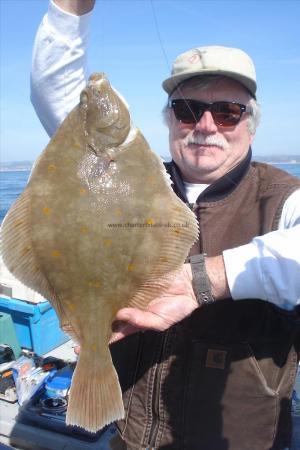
{"type": "Point", "coordinates": [280, 162]}
{"type": "Point", "coordinates": [17, 169]}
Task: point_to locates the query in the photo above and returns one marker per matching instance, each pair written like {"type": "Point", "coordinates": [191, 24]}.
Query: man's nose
{"type": "Point", "coordinates": [206, 124]}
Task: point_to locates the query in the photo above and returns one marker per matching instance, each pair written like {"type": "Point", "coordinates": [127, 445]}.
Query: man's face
{"type": "Point", "coordinates": [204, 151]}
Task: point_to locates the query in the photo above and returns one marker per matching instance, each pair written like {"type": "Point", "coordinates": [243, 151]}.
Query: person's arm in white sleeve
{"type": "Point", "coordinates": [59, 64]}
{"type": "Point", "coordinates": [269, 266]}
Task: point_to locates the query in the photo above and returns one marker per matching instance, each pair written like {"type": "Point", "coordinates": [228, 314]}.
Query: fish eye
{"type": "Point", "coordinates": [84, 98]}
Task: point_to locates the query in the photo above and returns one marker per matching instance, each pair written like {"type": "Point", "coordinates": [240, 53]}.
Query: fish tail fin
{"type": "Point", "coordinates": [95, 397]}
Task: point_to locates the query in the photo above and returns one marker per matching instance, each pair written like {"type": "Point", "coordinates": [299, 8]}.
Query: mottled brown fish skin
{"type": "Point", "coordinates": [97, 228]}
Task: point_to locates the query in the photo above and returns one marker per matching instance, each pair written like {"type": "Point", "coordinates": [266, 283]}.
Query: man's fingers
{"type": "Point", "coordinates": [141, 320]}
{"type": "Point", "coordinates": [122, 329]}
{"type": "Point", "coordinates": [77, 349]}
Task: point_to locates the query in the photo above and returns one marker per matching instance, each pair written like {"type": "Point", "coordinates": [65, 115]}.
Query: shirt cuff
{"type": "Point", "coordinates": [243, 272]}
{"type": "Point", "coordinates": [66, 24]}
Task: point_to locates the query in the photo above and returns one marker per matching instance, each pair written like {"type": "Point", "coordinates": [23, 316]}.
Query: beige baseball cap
{"type": "Point", "coordinates": [213, 60]}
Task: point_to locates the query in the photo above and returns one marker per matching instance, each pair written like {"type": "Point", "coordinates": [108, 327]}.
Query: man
{"type": "Point", "coordinates": [208, 372]}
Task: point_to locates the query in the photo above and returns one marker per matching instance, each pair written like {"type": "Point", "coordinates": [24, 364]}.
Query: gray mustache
{"type": "Point", "coordinates": [199, 139]}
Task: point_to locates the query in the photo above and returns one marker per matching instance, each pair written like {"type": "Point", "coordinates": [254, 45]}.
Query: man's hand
{"type": "Point", "coordinates": [76, 7]}
{"type": "Point", "coordinates": [175, 304]}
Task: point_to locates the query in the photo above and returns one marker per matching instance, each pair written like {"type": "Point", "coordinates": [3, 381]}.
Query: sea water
{"type": "Point", "coordinates": [12, 183]}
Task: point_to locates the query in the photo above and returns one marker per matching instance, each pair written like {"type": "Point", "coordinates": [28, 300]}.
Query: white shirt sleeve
{"type": "Point", "coordinates": [59, 65]}
{"type": "Point", "coordinates": [269, 266]}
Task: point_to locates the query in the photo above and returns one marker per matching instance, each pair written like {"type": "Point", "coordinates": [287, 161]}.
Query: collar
{"type": "Point", "coordinates": [215, 191]}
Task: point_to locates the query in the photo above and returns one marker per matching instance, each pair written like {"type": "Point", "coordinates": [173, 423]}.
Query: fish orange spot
{"type": "Point", "coordinates": [118, 212]}
{"type": "Point", "coordinates": [151, 179]}
{"type": "Point", "coordinates": [93, 347]}
{"type": "Point", "coordinates": [84, 230]}
{"type": "Point", "coordinates": [130, 267]}
{"type": "Point", "coordinates": [51, 168]}
{"type": "Point", "coordinates": [176, 231]}
{"type": "Point", "coordinates": [18, 222]}
{"type": "Point", "coordinates": [47, 211]}
{"type": "Point", "coordinates": [56, 254]}
{"type": "Point", "coordinates": [26, 249]}
{"type": "Point", "coordinates": [150, 221]}
{"type": "Point", "coordinates": [94, 283]}
{"type": "Point", "coordinates": [83, 191]}
{"type": "Point", "coordinates": [76, 145]}
{"type": "Point", "coordinates": [163, 259]}
{"type": "Point", "coordinates": [71, 306]}
{"type": "Point", "coordinates": [107, 242]}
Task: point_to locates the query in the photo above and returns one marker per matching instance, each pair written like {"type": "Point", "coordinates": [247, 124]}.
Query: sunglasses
{"type": "Point", "coordinates": [225, 114]}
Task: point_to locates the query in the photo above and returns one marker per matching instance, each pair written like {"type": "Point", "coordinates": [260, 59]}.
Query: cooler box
{"type": "Point", "coordinates": [8, 334]}
{"type": "Point", "coordinates": [37, 325]}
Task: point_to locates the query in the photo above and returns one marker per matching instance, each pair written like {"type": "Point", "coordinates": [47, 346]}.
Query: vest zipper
{"type": "Point", "coordinates": [156, 394]}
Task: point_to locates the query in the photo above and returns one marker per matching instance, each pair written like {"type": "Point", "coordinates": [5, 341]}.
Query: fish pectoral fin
{"type": "Point", "coordinates": [95, 397]}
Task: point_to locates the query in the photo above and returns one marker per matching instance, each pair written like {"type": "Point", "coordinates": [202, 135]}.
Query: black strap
{"type": "Point", "coordinates": [201, 283]}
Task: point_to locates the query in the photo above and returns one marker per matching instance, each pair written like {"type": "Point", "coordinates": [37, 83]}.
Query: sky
{"type": "Point", "coordinates": [135, 41]}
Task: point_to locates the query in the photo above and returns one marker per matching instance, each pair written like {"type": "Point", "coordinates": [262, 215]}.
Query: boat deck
{"type": "Point", "coordinates": [21, 436]}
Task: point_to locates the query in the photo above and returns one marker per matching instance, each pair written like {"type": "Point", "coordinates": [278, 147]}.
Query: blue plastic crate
{"type": "Point", "coordinates": [37, 325]}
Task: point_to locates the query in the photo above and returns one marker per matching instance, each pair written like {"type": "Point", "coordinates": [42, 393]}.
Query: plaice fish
{"type": "Point", "coordinates": [97, 228]}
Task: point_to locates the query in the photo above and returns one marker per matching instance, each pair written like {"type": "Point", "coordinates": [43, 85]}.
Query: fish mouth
{"type": "Point", "coordinates": [98, 82]}
{"type": "Point", "coordinates": [97, 78]}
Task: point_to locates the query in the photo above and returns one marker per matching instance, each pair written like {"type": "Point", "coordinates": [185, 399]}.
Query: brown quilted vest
{"type": "Point", "coordinates": [222, 378]}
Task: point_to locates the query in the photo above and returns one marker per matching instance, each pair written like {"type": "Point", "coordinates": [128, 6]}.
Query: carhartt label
{"type": "Point", "coordinates": [216, 359]}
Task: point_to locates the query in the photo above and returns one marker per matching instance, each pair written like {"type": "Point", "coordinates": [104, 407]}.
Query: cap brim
{"type": "Point", "coordinates": [170, 84]}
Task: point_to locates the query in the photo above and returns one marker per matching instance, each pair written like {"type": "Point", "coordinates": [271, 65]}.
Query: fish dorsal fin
{"type": "Point", "coordinates": [19, 257]}
{"type": "Point", "coordinates": [173, 254]}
